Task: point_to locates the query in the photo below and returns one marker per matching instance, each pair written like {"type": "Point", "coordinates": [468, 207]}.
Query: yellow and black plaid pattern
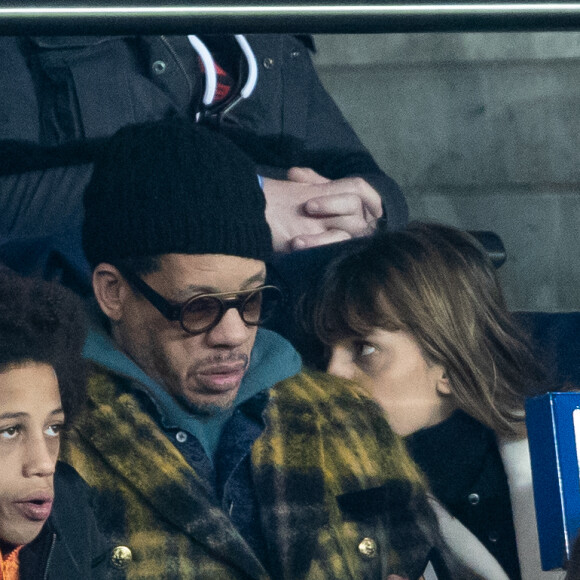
{"type": "Point", "coordinates": [323, 440]}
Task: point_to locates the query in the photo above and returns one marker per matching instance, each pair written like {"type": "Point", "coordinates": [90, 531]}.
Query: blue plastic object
{"type": "Point", "coordinates": [553, 422]}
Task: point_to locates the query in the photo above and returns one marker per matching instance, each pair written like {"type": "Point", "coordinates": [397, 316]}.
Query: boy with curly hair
{"type": "Point", "coordinates": [47, 528]}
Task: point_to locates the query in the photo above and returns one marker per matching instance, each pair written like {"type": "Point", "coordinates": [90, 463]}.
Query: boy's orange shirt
{"type": "Point", "coordinates": [9, 567]}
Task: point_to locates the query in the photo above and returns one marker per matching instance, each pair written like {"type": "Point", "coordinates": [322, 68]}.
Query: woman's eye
{"type": "Point", "coordinates": [365, 349]}
{"type": "Point", "coordinates": [54, 430]}
{"type": "Point", "coordinates": [10, 432]}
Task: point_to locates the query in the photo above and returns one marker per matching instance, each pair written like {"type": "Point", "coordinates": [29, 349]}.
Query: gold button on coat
{"type": "Point", "coordinates": [368, 548]}
{"type": "Point", "coordinates": [121, 556]}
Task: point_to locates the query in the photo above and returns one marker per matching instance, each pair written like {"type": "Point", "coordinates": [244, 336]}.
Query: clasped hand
{"type": "Point", "coordinates": [310, 210]}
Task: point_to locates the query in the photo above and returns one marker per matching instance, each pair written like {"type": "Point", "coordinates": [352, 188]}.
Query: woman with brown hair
{"type": "Point", "coordinates": [417, 317]}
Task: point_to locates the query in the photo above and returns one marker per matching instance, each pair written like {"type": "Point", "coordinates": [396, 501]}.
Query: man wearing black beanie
{"type": "Point", "coordinates": [214, 455]}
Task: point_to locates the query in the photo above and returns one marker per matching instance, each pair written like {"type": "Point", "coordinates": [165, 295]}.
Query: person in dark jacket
{"type": "Point", "coordinates": [321, 183]}
{"type": "Point", "coordinates": [214, 455]}
{"type": "Point", "coordinates": [418, 318]}
{"type": "Point", "coordinates": [47, 526]}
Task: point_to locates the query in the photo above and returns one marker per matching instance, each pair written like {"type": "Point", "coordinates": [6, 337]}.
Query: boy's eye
{"type": "Point", "coordinates": [10, 432]}
{"type": "Point", "coordinates": [54, 430]}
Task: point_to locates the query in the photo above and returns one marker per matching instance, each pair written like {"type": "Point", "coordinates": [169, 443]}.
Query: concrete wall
{"type": "Point", "coordinates": [482, 131]}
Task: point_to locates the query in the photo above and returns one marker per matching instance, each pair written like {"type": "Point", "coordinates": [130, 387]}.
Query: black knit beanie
{"type": "Point", "coordinates": [173, 187]}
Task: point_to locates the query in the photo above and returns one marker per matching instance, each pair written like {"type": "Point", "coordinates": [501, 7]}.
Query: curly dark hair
{"type": "Point", "coordinates": [43, 322]}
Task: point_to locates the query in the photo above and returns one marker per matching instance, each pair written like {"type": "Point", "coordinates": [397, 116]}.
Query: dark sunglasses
{"type": "Point", "coordinates": [203, 312]}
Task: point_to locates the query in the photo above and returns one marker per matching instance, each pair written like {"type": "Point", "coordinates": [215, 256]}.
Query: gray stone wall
{"type": "Point", "coordinates": [482, 131]}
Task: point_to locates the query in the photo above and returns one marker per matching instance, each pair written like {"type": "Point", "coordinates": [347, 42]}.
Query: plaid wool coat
{"type": "Point", "coordinates": [339, 497]}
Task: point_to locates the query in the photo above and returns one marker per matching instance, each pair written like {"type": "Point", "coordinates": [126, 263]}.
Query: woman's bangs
{"type": "Point", "coordinates": [356, 307]}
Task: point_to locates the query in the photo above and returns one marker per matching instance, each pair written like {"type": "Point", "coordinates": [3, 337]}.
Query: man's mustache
{"type": "Point", "coordinates": [216, 359]}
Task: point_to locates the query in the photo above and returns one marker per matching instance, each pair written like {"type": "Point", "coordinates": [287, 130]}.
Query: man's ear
{"type": "Point", "coordinates": [442, 385]}
{"type": "Point", "coordinates": [110, 289]}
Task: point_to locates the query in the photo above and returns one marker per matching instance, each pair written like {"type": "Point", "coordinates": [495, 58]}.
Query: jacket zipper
{"type": "Point", "coordinates": [45, 576]}
{"type": "Point", "coordinates": [229, 108]}
{"type": "Point", "coordinates": [179, 63]}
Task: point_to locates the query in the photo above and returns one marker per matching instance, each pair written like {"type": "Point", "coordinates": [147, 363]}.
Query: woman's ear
{"type": "Point", "coordinates": [442, 382]}
{"type": "Point", "coordinates": [110, 290]}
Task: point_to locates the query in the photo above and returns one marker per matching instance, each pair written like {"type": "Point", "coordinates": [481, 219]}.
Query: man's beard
{"type": "Point", "coordinates": [213, 409]}
{"type": "Point", "coordinates": [206, 410]}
